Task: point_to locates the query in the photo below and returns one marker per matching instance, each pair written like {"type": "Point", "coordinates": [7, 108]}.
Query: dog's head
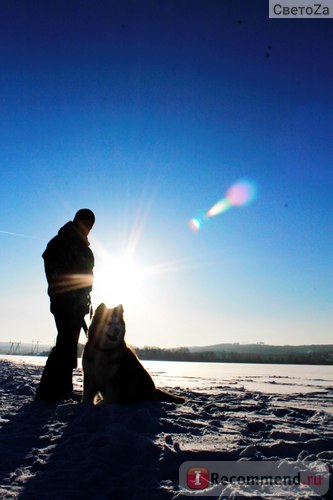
{"type": "Point", "coordinates": [107, 329]}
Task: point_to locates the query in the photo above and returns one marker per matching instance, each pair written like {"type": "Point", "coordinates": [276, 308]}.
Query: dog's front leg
{"type": "Point", "coordinates": [89, 390]}
{"type": "Point", "coordinates": [111, 396]}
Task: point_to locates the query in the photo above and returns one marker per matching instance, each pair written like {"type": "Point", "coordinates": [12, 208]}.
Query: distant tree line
{"type": "Point", "coordinates": [184, 354]}
{"type": "Point", "coordinates": [321, 357]}
{"type": "Point", "coordinates": [298, 355]}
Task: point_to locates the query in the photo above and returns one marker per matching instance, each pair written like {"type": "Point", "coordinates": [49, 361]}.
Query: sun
{"type": "Point", "coordinates": [119, 279]}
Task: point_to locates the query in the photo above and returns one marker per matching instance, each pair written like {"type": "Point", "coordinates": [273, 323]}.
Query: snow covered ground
{"type": "Point", "coordinates": [74, 451]}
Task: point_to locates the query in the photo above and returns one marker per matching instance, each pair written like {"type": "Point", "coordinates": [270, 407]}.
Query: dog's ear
{"type": "Point", "coordinates": [120, 311]}
{"type": "Point", "coordinates": [100, 308]}
{"type": "Point", "coordinates": [100, 311]}
{"type": "Point", "coordinates": [97, 321]}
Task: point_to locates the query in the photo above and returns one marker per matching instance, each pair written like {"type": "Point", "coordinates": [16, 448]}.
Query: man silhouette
{"type": "Point", "coordinates": [69, 264]}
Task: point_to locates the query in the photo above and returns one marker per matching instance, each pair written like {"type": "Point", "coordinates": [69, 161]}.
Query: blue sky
{"type": "Point", "coordinates": [146, 112]}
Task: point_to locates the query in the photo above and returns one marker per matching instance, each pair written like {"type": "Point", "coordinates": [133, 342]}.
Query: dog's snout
{"type": "Point", "coordinates": [113, 335]}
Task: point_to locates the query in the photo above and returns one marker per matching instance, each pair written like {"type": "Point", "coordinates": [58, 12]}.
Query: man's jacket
{"type": "Point", "coordinates": [69, 264]}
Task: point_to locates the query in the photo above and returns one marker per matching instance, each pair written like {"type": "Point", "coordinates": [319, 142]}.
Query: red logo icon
{"type": "Point", "coordinates": [197, 478]}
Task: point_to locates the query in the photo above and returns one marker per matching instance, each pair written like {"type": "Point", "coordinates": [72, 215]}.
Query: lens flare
{"type": "Point", "coordinates": [195, 224]}
{"type": "Point", "coordinates": [220, 207]}
{"type": "Point", "coordinates": [240, 194]}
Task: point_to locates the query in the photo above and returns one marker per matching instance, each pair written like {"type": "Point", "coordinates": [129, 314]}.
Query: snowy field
{"type": "Point", "coordinates": [233, 412]}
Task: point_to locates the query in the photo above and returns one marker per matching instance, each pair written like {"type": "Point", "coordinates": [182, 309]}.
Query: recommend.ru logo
{"type": "Point", "coordinates": [259, 478]}
{"type": "Point", "coordinates": [197, 478]}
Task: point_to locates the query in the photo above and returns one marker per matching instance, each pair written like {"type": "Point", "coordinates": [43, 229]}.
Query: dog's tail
{"type": "Point", "coordinates": [168, 397]}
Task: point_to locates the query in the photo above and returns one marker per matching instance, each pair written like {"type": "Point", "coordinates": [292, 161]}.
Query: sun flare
{"type": "Point", "coordinates": [119, 280]}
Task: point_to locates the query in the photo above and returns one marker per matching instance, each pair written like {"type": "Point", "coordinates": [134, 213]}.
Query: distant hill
{"type": "Point", "coordinates": [18, 348]}
{"type": "Point", "coordinates": [23, 348]}
{"type": "Point", "coordinates": [261, 348]}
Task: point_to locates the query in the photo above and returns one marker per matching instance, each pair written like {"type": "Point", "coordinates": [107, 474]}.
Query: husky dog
{"type": "Point", "coordinates": [111, 370]}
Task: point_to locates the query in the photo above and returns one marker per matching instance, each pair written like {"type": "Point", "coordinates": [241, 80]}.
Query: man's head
{"type": "Point", "coordinates": [84, 219]}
